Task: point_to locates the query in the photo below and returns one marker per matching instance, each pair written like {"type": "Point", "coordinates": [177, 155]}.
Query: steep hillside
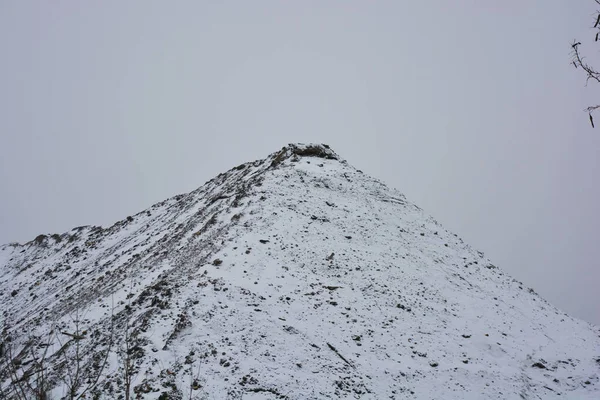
{"type": "Point", "coordinates": [293, 277]}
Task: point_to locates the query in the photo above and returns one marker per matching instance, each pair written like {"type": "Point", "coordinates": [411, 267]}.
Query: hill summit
{"type": "Point", "coordinates": [292, 277]}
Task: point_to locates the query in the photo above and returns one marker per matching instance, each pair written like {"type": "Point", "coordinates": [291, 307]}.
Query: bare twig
{"type": "Point", "coordinates": [579, 61]}
{"type": "Point", "coordinates": [22, 386]}
{"type": "Point", "coordinates": [126, 350]}
{"type": "Point", "coordinates": [74, 378]}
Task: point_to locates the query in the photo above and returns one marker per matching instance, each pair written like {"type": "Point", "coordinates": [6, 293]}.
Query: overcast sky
{"type": "Point", "coordinates": [471, 108]}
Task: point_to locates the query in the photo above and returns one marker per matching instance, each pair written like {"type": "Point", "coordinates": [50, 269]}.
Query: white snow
{"type": "Point", "coordinates": [403, 308]}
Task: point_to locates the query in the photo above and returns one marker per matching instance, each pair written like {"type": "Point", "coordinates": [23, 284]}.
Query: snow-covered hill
{"type": "Point", "coordinates": [292, 277]}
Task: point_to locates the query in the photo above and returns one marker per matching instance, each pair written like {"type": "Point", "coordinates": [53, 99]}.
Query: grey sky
{"type": "Point", "coordinates": [470, 108]}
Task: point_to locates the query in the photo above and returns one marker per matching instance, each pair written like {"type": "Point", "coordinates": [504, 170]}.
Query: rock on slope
{"type": "Point", "coordinates": [293, 277]}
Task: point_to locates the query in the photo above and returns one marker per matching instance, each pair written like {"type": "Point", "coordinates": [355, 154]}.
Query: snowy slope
{"type": "Point", "coordinates": [293, 277]}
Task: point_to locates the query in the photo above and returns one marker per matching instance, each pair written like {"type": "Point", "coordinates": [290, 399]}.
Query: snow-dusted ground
{"type": "Point", "coordinates": [295, 277]}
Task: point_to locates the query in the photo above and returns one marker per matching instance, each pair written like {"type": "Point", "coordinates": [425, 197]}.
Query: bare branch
{"type": "Point", "coordinates": [578, 61]}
